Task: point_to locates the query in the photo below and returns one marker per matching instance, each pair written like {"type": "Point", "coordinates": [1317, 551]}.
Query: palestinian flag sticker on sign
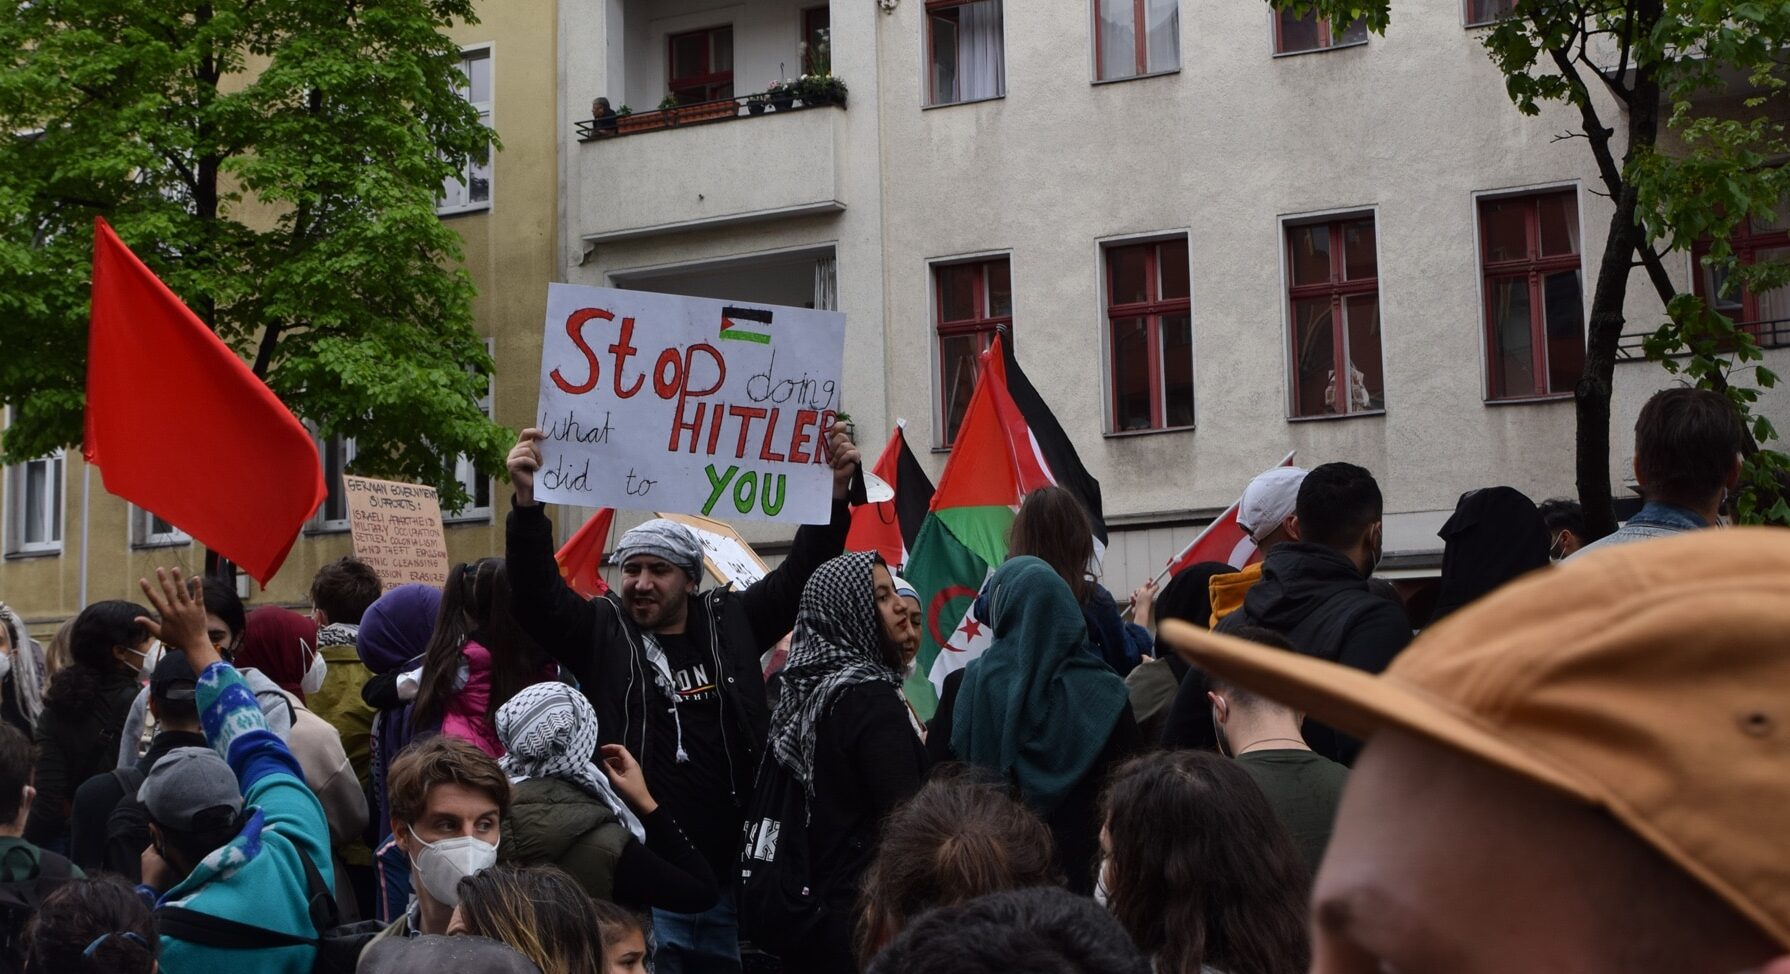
{"type": "Point", "coordinates": [746, 325]}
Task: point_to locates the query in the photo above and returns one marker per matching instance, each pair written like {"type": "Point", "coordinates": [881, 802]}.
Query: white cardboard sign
{"type": "Point", "coordinates": [669, 403]}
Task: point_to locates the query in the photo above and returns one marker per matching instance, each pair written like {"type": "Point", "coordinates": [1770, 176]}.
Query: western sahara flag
{"type": "Point", "coordinates": [891, 527]}
{"type": "Point", "coordinates": [1009, 444]}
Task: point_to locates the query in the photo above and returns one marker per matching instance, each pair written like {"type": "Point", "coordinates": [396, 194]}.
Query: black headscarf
{"type": "Point", "coordinates": [1495, 535]}
{"type": "Point", "coordinates": [1188, 597]}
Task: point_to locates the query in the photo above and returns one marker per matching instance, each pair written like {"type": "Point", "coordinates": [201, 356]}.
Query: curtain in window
{"type": "Point", "coordinates": [1164, 38]}
{"type": "Point", "coordinates": [982, 61]}
{"type": "Point", "coordinates": [826, 284]}
{"type": "Point", "coordinates": [1118, 40]}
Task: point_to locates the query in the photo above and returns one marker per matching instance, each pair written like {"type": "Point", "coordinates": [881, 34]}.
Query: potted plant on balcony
{"type": "Point", "coordinates": [628, 122]}
{"type": "Point", "coordinates": [668, 109]}
{"type": "Point", "coordinates": [820, 89]}
{"type": "Point", "coordinates": [781, 95]}
{"type": "Point", "coordinates": [756, 103]}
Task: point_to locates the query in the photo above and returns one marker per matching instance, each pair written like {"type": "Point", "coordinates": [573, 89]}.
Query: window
{"type": "Point", "coordinates": [1135, 37]}
{"type": "Point", "coordinates": [333, 514]}
{"type": "Point", "coordinates": [966, 57]}
{"type": "Point", "coordinates": [971, 301]}
{"type": "Point", "coordinates": [470, 189]}
{"type": "Point", "coordinates": [1149, 327]}
{"type": "Point", "coordinates": [1534, 294]}
{"type": "Point", "coordinates": [1335, 302]}
{"type": "Point", "coordinates": [701, 65]}
{"type": "Point", "coordinates": [1296, 35]}
{"type": "Point", "coordinates": [1483, 12]}
{"type": "Point", "coordinates": [150, 531]}
{"type": "Point", "coordinates": [817, 41]}
{"type": "Point", "coordinates": [34, 499]}
{"type": "Point", "coordinates": [1767, 313]}
{"type": "Point", "coordinates": [478, 486]}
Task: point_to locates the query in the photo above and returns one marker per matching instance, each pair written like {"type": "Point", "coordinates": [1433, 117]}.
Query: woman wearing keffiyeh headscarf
{"type": "Point", "coordinates": [598, 823]}
{"type": "Point", "coordinates": [841, 727]}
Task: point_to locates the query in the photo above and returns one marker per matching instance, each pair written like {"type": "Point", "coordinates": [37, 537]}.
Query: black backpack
{"type": "Point", "coordinates": [338, 945]}
{"type": "Point", "coordinates": [778, 904]}
{"type": "Point", "coordinates": [20, 899]}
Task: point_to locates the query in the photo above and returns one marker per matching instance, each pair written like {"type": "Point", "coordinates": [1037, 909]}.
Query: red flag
{"type": "Point", "coordinates": [178, 425]}
{"type": "Point", "coordinates": [582, 556]}
{"type": "Point", "coordinates": [1223, 540]}
{"type": "Point", "coordinates": [890, 527]}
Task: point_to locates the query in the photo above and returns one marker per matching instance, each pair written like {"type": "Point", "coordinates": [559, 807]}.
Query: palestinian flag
{"type": "Point", "coordinates": [581, 558]}
{"type": "Point", "coordinates": [891, 527]}
{"type": "Point", "coordinates": [1003, 451]}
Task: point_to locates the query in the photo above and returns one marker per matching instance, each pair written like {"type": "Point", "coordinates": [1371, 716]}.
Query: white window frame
{"type": "Point", "coordinates": [319, 523]}
{"type": "Point", "coordinates": [926, 101]}
{"type": "Point", "coordinates": [1094, 49]}
{"type": "Point", "coordinates": [144, 533]}
{"type": "Point", "coordinates": [465, 471]}
{"type": "Point", "coordinates": [54, 504]}
{"type": "Point", "coordinates": [448, 204]}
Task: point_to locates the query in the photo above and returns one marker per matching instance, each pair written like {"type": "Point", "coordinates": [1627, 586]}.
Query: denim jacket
{"type": "Point", "coordinates": [1655, 520]}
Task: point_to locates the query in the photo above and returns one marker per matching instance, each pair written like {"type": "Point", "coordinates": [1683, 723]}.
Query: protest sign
{"type": "Point", "coordinates": [670, 403]}
{"type": "Point", "coordinates": [728, 557]}
{"type": "Point", "coordinates": [397, 530]}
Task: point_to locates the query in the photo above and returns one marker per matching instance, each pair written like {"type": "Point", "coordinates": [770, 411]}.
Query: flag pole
{"type": "Point", "coordinates": [86, 497]}
{"type": "Point", "coordinates": [1214, 523]}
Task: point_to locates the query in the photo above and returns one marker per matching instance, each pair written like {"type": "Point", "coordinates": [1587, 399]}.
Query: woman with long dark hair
{"type": "Point", "coordinates": [21, 672]}
{"type": "Point", "coordinates": [478, 658]}
{"type": "Point", "coordinates": [1051, 525]}
{"type": "Point", "coordinates": [84, 711]}
{"type": "Point", "coordinates": [1198, 869]}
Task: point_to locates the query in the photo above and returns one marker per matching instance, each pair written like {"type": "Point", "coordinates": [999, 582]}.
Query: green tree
{"type": "Point", "coordinates": [1710, 73]}
{"type": "Point", "coordinates": [277, 163]}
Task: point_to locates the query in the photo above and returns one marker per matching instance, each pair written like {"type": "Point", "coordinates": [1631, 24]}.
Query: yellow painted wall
{"type": "Point", "coordinates": [509, 250]}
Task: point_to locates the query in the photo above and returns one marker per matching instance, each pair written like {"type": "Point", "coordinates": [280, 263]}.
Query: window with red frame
{"type": "Point", "coordinates": [817, 45]}
{"type": "Point", "coordinates": [701, 65]}
{"type": "Point", "coordinates": [1483, 12]}
{"type": "Point", "coordinates": [1534, 294]}
{"type": "Point", "coordinates": [1334, 297]}
{"type": "Point", "coordinates": [970, 301]}
{"type": "Point", "coordinates": [1136, 37]}
{"type": "Point", "coordinates": [1765, 314]}
{"type": "Point", "coordinates": [1149, 333]}
{"type": "Point", "coordinates": [966, 57]}
{"type": "Point", "coordinates": [1295, 35]}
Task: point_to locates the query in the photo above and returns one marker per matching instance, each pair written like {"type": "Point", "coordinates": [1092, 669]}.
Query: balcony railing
{"type": "Point", "coordinates": [704, 112]}
{"type": "Point", "coordinates": [1767, 334]}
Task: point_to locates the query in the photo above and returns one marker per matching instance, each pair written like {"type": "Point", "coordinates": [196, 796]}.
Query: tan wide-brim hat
{"type": "Point", "coordinates": [1649, 679]}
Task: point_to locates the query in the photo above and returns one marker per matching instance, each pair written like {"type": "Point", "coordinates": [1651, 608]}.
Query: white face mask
{"type": "Point", "coordinates": [313, 680]}
{"type": "Point", "coordinates": [443, 864]}
{"type": "Point", "coordinates": [5, 665]}
{"type": "Point", "coordinates": [1101, 896]}
{"type": "Point", "coordinates": [146, 660]}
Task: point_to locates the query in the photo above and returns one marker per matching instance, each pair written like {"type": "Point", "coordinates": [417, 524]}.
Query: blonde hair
{"type": "Point", "coordinates": [540, 912]}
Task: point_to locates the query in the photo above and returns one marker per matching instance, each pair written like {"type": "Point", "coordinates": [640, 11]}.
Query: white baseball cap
{"type": "Point", "coordinates": [1268, 500]}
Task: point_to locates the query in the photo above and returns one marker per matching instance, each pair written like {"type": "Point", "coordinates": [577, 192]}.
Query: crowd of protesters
{"type": "Point", "coordinates": [1575, 758]}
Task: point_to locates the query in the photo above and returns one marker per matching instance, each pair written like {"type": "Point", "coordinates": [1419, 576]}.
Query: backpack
{"type": "Point", "coordinates": [778, 904]}
{"type": "Point", "coordinates": [19, 900]}
{"type": "Point", "coordinates": [338, 945]}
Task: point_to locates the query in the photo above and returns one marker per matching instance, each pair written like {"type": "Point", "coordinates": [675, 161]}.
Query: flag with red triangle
{"type": "Point", "coordinates": [581, 557]}
{"type": "Point", "coordinates": [890, 527]}
{"type": "Point", "coordinates": [1224, 540]}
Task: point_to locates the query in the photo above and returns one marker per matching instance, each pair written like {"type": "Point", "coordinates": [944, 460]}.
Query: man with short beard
{"type": "Point", "coordinates": [673, 673]}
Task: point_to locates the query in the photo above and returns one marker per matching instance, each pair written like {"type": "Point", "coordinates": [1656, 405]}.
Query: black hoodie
{"type": "Point", "coordinates": [1320, 602]}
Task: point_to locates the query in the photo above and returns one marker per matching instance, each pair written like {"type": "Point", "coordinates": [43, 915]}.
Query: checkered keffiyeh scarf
{"type": "Point", "coordinates": [550, 731]}
{"type": "Point", "coordinates": [837, 644]}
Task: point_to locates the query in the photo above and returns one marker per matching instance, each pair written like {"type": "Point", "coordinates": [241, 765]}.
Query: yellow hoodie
{"type": "Point", "coordinates": [1227, 590]}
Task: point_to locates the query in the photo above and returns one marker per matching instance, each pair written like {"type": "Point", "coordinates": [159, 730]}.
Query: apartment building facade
{"type": "Point", "coordinates": [1215, 233]}
{"type": "Point", "coordinates": [505, 209]}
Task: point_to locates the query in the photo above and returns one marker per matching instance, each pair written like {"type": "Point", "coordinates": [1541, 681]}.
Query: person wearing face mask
{"type": "Point", "coordinates": [1314, 591]}
{"type": "Point", "coordinates": [21, 673]}
{"type": "Point", "coordinates": [448, 802]}
{"type": "Point", "coordinates": [235, 829]}
{"type": "Point", "coordinates": [85, 710]}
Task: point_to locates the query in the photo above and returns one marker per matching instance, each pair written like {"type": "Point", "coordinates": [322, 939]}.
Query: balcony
{"type": "Point", "coordinates": [1631, 347]}
{"type": "Point", "coordinates": [681, 170]}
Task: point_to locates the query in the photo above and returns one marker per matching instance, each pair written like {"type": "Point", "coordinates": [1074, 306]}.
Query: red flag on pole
{"type": "Point", "coordinates": [581, 559]}
{"type": "Point", "coordinates": [1223, 540]}
{"type": "Point", "coordinates": [178, 425]}
{"type": "Point", "coordinates": [890, 527]}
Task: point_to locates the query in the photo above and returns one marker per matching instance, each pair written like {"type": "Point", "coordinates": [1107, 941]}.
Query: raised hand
{"type": "Point", "coordinates": [524, 460]}
{"type": "Point", "coordinates": [845, 458]}
{"type": "Point", "coordinates": [625, 774]}
{"type": "Point", "coordinates": [180, 603]}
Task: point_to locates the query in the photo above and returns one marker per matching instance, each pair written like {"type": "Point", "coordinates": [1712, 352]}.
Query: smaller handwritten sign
{"type": "Point", "coordinates": [728, 557]}
{"type": "Point", "coordinates": [397, 530]}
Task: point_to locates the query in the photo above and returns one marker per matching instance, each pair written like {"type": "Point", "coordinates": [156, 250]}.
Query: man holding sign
{"type": "Point", "coordinates": [674, 673]}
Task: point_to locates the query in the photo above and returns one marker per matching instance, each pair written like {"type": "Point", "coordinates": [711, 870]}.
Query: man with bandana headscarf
{"type": "Point", "coordinates": [673, 674]}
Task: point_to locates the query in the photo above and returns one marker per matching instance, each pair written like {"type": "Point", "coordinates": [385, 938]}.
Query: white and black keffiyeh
{"type": "Point", "coordinates": [550, 731]}
{"type": "Point", "coordinates": [837, 644]}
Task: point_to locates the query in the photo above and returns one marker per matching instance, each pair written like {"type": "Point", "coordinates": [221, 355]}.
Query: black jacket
{"type": "Point", "coordinates": [74, 743]}
{"type": "Point", "coordinates": [600, 644]}
{"type": "Point", "coordinates": [110, 827]}
{"type": "Point", "coordinates": [1320, 602]}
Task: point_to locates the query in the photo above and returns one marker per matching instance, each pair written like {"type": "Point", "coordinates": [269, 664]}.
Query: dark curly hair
{"type": "Point", "coordinates": [103, 913]}
{"type": "Point", "coordinates": [100, 627]}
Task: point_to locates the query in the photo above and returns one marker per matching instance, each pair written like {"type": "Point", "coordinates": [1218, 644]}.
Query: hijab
{"type": "Point", "coordinates": [837, 644]}
{"type": "Point", "coordinates": [395, 629]}
{"type": "Point", "coordinates": [1494, 535]}
{"type": "Point", "coordinates": [280, 643]}
{"type": "Point", "coordinates": [550, 731]}
{"type": "Point", "coordinates": [1036, 707]}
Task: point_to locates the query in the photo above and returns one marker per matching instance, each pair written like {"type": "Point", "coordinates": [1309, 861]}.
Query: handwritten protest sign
{"type": "Point", "coordinates": [663, 402]}
{"type": "Point", "coordinates": [397, 530]}
{"type": "Point", "coordinates": [727, 555]}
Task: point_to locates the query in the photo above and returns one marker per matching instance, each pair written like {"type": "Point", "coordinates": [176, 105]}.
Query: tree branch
{"type": "Point", "coordinates": [1595, 130]}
